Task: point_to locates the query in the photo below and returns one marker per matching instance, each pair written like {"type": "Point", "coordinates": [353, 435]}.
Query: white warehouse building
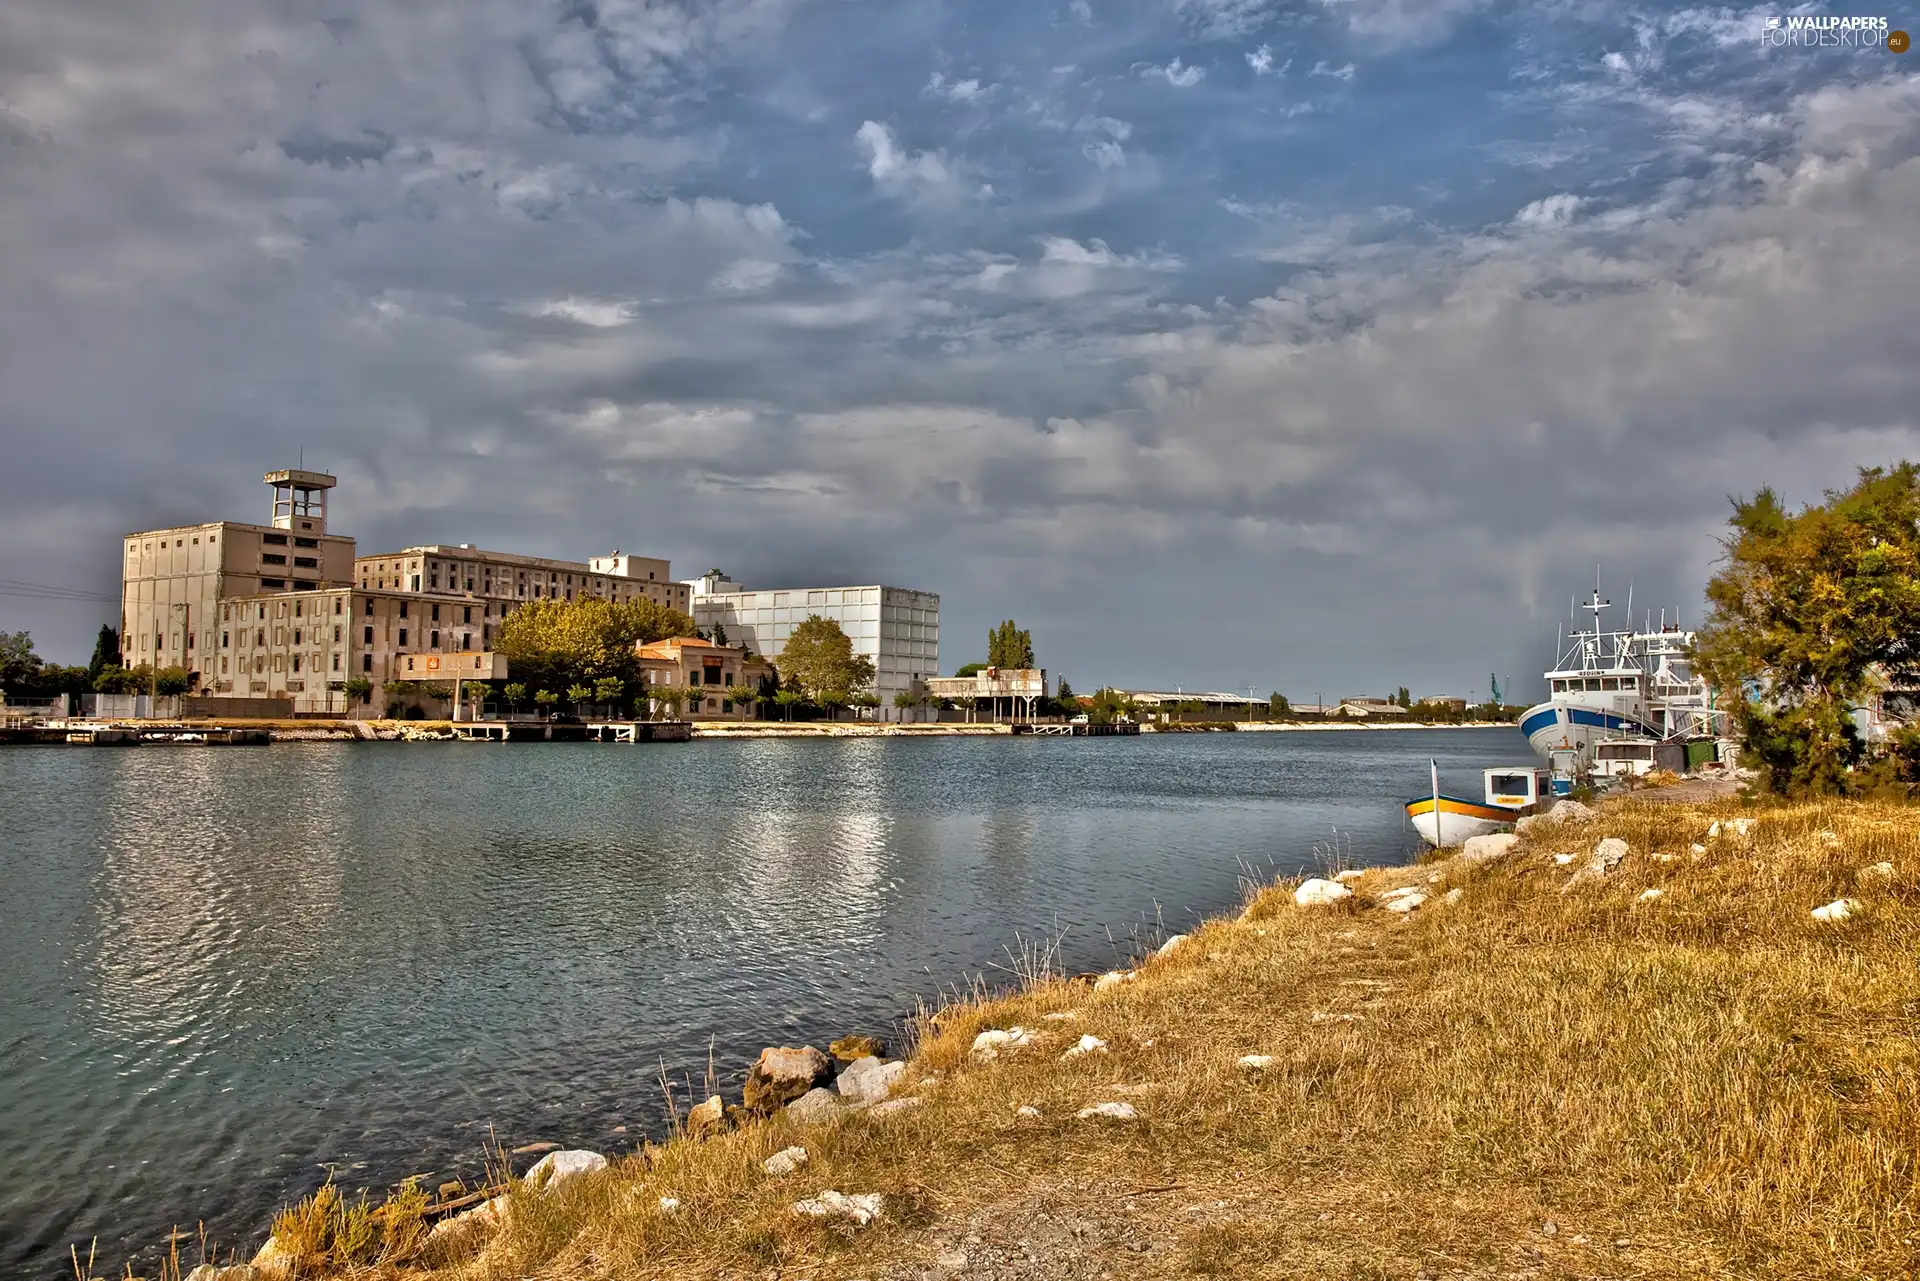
{"type": "Point", "coordinates": [896, 627]}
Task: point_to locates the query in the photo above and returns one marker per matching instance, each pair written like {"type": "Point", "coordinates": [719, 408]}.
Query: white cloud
{"type": "Point", "coordinates": [1324, 68]}
{"type": "Point", "coordinates": [594, 313]}
{"type": "Point", "coordinates": [1176, 74]}
{"type": "Point", "coordinates": [1225, 19]}
{"type": "Point", "coordinates": [1261, 60]}
{"type": "Point", "coordinates": [898, 171]}
{"type": "Point", "coordinates": [1397, 23]}
{"type": "Point", "coordinates": [969, 90]}
{"type": "Point", "coordinates": [1081, 10]}
{"type": "Point", "coordinates": [1550, 211]}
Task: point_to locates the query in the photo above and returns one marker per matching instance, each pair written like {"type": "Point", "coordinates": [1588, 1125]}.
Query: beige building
{"type": "Point", "coordinates": [705, 670]}
{"type": "Point", "coordinates": [287, 611]}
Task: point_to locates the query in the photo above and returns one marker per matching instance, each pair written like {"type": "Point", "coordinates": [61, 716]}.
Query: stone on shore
{"type": "Point", "coordinates": [851, 1049]}
{"type": "Point", "coordinates": [1112, 978]}
{"type": "Point", "coordinates": [1256, 1062]}
{"type": "Point", "coordinates": [869, 1080]}
{"type": "Point", "coordinates": [1877, 872]}
{"type": "Point", "coordinates": [1839, 910]}
{"type": "Point", "coordinates": [1648, 895]}
{"type": "Point", "coordinates": [1027, 1112]}
{"type": "Point", "coordinates": [994, 1042]}
{"type": "Point", "coordinates": [1403, 900]}
{"type": "Point", "coordinates": [462, 1231]}
{"type": "Point", "coordinates": [709, 1117]}
{"type": "Point", "coordinates": [1320, 892]}
{"type": "Point", "coordinates": [555, 1168]}
{"type": "Point", "coordinates": [785, 1161]}
{"type": "Point", "coordinates": [818, 1106]}
{"type": "Point", "coordinates": [1108, 1112]}
{"type": "Point", "coordinates": [892, 1106]}
{"type": "Point", "coordinates": [1351, 875]}
{"type": "Point", "coordinates": [781, 1075]}
{"type": "Point", "coordinates": [1453, 897]}
{"type": "Point", "coordinates": [1172, 942]}
{"type": "Point", "coordinates": [859, 1209]}
{"type": "Point", "coordinates": [1088, 1044]}
{"type": "Point", "coordinates": [1606, 856]}
{"type": "Point", "coordinates": [1481, 850]}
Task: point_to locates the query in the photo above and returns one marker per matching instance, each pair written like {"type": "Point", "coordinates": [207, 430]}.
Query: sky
{"type": "Point", "coordinates": [1325, 346]}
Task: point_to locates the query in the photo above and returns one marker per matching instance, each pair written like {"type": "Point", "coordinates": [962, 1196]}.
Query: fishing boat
{"type": "Point", "coordinates": [1619, 687]}
{"type": "Point", "coordinates": [1512, 792]}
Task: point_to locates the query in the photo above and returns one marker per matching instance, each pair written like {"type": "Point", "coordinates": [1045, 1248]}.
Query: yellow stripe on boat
{"type": "Point", "coordinates": [1467, 809]}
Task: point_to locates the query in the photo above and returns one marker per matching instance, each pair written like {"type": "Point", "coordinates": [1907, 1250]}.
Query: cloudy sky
{"type": "Point", "coordinates": [1319, 345]}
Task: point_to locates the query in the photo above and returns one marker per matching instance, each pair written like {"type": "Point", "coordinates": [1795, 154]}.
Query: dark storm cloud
{"type": "Point", "coordinates": [1228, 373]}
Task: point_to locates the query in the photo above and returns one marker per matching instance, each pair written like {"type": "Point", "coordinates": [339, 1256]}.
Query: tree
{"type": "Point", "coordinates": [608, 689]}
{"type": "Point", "coordinates": [745, 697]}
{"type": "Point", "coordinates": [865, 701]}
{"type": "Point", "coordinates": [1811, 611]}
{"type": "Point", "coordinates": [970, 669]}
{"type": "Point", "coordinates": [719, 632]}
{"type": "Point", "coordinates": [906, 700]}
{"type": "Point", "coordinates": [172, 680]}
{"type": "Point", "coordinates": [820, 661]}
{"type": "Point", "coordinates": [560, 643]}
{"type": "Point", "coordinates": [18, 663]}
{"type": "Point", "coordinates": [357, 688]}
{"type": "Point", "coordinates": [544, 699]}
{"type": "Point", "coordinates": [1278, 708]}
{"type": "Point", "coordinates": [579, 695]}
{"type": "Point", "coordinates": [1403, 698]}
{"type": "Point", "coordinates": [515, 694]}
{"type": "Point", "coordinates": [785, 700]}
{"type": "Point", "coordinates": [1008, 646]}
{"type": "Point", "coordinates": [968, 704]}
{"type": "Point", "coordinates": [106, 653]}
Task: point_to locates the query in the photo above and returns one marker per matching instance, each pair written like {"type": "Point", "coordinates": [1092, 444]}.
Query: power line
{"type": "Point", "coordinates": [47, 591]}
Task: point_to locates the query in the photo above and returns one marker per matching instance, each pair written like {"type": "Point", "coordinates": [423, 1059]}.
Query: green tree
{"type": "Point", "coordinates": [18, 663]}
{"type": "Point", "coordinates": [608, 689]}
{"type": "Point", "coordinates": [863, 702]}
{"type": "Point", "coordinates": [906, 700]}
{"type": "Point", "coordinates": [515, 693]}
{"type": "Point", "coordinates": [819, 660]}
{"type": "Point", "coordinates": [1812, 609]}
{"type": "Point", "coordinates": [357, 688]}
{"type": "Point", "coordinates": [970, 669]}
{"type": "Point", "coordinates": [670, 697]}
{"type": "Point", "coordinates": [1008, 646]}
{"type": "Point", "coordinates": [172, 680]}
{"type": "Point", "coordinates": [719, 632]}
{"type": "Point", "coordinates": [1403, 698]}
{"type": "Point", "coordinates": [968, 704]}
{"type": "Point", "coordinates": [744, 697]}
{"type": "Point", "coordinates": [561, 643]}
{"type": "Point", "coordinates": [579, 695]}
{"type": "Point", "coordinates": [1278, 708]}
{"type": "Point", "coordinates": [786, 699]}
{"type": "Point", "coordinates": [106, 653]}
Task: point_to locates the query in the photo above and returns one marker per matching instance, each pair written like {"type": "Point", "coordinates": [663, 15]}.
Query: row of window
{"type": "Point", "coordinates": [1579, 684]}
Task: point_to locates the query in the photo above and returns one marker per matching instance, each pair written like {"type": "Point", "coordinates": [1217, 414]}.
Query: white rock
{"type": "Point", "coordinates": [1320, 892]}
{"type": "Point", "coordinates": [1027, 1113]}
{"type": "Point", "coordinates": [869, 1080]}
{"type": "Point", "coordinates": [994, 1042]}
{"type": "Point", "coordinates": [1568, 811]}
{"type": "Point", "coordinates": [1830, 838]}
{"type": "Point", "coordinates": [1647, 896]}
{"type": "Point", "coordinates": [1609, 852]}
{"type": "Point", "coordinates": [1168, 946]}
{"type": "Point", "coordinates": [1481, 850]}
{"type": "Point", "coordinates": [669, 1205]}
{"type": "Point", "coordinates": [861, 1208]}
{"type": "Point", "coordinates": [818, 1106]}
{"type": "Point", "coordinates": [785, 1161]}
{"type": "Point", "coordinates": [555, 1168]}
{"type": "Point", "coordinates": [1088, 1044]}
{"type": "Point", "coordinates": [1663, 858]}
{"type": "Point", "coordinates": [1060, 1016]}
{"type": "Point", "coordinates": [1696, 849]}
{"type": "Point", "coordinates": [1877, 872]}
{"type": "Point", "coordinates": [1713, 832]}
{"type": "Point", "coordinates": [1563, 859]}
{"type": "Point", "coordinates": [1256, 1062]}
{"type": "Point", "coordinates": [1404, 903]}
{"type": "Point", "coordinates": [892, 1106]}
{"type": "Point", "coordinates": [1452, 897]}
{"type": "Point", "coordinates": [1351, 875]}
{"type": "Point", "coordinates": [1112, 978]}
{"type": "Point", "coordinates": [1837, 911]}
{"type": "Point", "coordinates": [1108, 1112]}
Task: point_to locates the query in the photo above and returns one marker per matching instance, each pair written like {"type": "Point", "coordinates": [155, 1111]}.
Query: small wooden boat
{"type": "Point", "coordinates": [1512, 792]}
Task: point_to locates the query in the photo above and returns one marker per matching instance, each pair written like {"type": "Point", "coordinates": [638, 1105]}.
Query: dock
{"type": "Point", "coordinates": [1114, 729]}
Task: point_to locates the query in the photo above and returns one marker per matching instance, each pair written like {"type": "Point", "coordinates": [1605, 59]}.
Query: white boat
{"type": "Point", "coordinates": [1512, 792]}
{"type": "Point", "coordinates": [1619, 686]}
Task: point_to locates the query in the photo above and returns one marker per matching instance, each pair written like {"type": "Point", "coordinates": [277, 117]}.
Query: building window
{"type": "Point", "coordinates": [336, 662]}
{"type": "Point", "coordinates": [416, 582]}
{"type": "Point", "coordinates": [296, 662]}
{"type": "Point", "coordinates": [403, 638]}
{"type": "Point", "coordinates": [433, 639]}
{"type": "Point", "coordinates": [296, 609]}
{"type": "Point", "coordinates": [223, 664]}
{"type": "Point", "coordinates": [305, 562]}
{"type": "Point", "coordinates": [190, 640]}
{"type": "Point", "coordinates": [336, 633]}
{"type": "Point", "coordinates": [260, 636]}
{"type": "Point", "coordinates": [338, 603]}
{"type": "Point", "coordinates": [466, 640]}
{"type": "Point", "coordinates": [436, 613]}
{"type": "Point", "coordinates": [306, 542]}
{"type": "Point", "coordinates": [272, 558]}
{"type": "Point", "coordinates": [278, 540]}
{"type": "Point", "coordinates": [403, 609]}
{"type": "Point", "coordinates": [223, 640]}
{"type": "Point", "coordinates": [366, 662]}
{"type": "Point", "coordinates": [369, 609]}
{"type": "Point", "coordinates": [368, 639]}
{"type": "Point", "coordinates": [466, 613]}
{"type": "Point", "coordinates": [273, 584]}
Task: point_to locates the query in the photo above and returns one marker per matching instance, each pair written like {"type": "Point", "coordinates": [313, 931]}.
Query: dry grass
{"type": "Point", "coordinates": [1524, 1083]}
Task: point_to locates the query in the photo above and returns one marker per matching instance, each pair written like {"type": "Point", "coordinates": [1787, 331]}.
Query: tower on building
{"type": "Point", "coordinates": [300, 499]}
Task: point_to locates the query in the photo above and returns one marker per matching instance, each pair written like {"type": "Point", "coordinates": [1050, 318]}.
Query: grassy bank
{"type": "Point", "coordinates": [1529, 1080]}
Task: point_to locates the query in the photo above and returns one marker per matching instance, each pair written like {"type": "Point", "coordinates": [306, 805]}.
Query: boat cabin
{"type": "Point", "coordinates": [1518, 786]}
{"type": "Point", "coordinates": [1622, 758]}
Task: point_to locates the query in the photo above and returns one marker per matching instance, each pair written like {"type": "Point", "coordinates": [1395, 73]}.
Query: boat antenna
{"type": "Point", "coordinates": [1629, 604]}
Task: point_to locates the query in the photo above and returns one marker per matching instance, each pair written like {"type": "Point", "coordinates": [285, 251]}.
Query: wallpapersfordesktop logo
{"type": "Point", "coordinates": [1822, 31]}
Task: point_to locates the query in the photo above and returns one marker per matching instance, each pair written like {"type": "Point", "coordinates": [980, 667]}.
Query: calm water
{"type": "Point", "coordinates": [224, 971]}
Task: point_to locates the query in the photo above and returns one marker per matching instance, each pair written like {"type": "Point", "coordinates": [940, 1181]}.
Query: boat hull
{"type": "Point", "coordinates": [1458, 819]}
{"type": "Point", "coordinates": [1560, 727]}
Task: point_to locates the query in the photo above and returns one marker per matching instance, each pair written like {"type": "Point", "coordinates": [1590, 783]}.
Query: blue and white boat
{"type": "Point", "coordinates": [1614, 686]}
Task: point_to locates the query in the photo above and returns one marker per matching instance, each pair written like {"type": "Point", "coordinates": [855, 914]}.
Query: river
{"type": "Point", "coordinates": [226, 971]}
